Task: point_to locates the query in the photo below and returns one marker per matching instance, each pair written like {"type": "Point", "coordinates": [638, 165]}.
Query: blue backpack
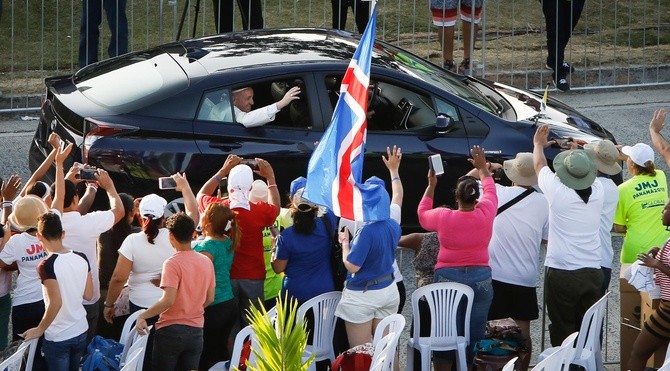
{"type": "Point", "coordinates": [103, 355]}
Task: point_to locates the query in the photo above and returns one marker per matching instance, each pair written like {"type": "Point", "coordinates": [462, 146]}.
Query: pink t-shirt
{"type": "Point", "coordinates": [192, 274]}
{"type": "Point", "coordinates": [464, 235]}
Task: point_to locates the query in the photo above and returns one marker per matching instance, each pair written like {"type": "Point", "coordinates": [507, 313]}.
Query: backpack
{"type": "Point", "coordinates": [354, 359]}
{"type": "Point", "coordinates": [336, 264]}
{"type": "Point", "coordinates": [103, 355]}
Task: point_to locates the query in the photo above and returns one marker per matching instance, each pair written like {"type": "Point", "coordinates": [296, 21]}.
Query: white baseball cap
{"type": "Point", "coordinates": [152, 206]}
{"type": "Point", "coordinates": [640, 153]}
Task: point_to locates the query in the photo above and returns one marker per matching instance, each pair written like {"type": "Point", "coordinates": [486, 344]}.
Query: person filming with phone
{"type": "Point", "coordinates": [464, 235]}
{"type": "Point", "coordinates": [248, 270]}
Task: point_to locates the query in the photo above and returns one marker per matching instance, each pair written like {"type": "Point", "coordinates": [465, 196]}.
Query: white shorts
{"type": "Point", "coordinates": [360, 307]}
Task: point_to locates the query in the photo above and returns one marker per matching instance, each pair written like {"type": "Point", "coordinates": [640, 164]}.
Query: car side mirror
{"type": "Point", "coordinates": [443, 123]}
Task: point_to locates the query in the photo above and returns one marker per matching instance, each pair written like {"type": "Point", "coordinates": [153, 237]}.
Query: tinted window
{"type": "Point", "coordinates": [390, 106]}
{"type": "Point", "coordinates": [216, 106]}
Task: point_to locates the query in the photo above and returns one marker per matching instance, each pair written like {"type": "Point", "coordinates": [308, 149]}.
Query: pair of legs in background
{"type": "Point", "coordinates": [89, 33]}
{"type": "Point", "coordinates": [224, 14]}
{"type": "Point", "coordinates": [444, 14]}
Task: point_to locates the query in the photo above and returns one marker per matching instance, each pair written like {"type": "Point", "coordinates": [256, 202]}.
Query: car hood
{"type": "Point", "coordinates": [564, 120]}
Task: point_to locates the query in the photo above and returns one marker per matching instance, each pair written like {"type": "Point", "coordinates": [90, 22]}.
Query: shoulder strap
{"type": "Point", "coordinates": [516, 199]}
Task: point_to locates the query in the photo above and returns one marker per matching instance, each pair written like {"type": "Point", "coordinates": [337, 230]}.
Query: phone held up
{"type": "Point", "coordinates": [166, 182]}
{"type": "Point", "coordinates": [250, 162]}
{"type": "Point", "coordinates": [87, 175]}
{"type": "Point", "coordinates": [435, 164]}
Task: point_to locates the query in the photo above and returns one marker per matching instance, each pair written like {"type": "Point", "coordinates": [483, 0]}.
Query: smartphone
{"type": "Point", "coordinates": [435, 164]}
{"type": "Point", "coordinates": [274, 231]}
{"type": "Point", "coordinates": [166, 182]}
{"type": "Point", "coordinates": [250, 162]}
{"type": "Point", "coordinates": [87, 174]}
{"type": "Point", "coordinates": [223, 184]}
{"type": "Point", "coordinates": [63, 144]}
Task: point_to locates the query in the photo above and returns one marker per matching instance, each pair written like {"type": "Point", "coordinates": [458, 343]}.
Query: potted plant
{"type": "Point", "coordinates": [282, 340]}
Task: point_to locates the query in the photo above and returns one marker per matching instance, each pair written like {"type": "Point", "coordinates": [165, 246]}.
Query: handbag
{"type": "Point", "coordinates": [336, 264]}
{"type": "Point", "coordinates": [354, 359]}
{"type": "Point", "coordinates": [122, 303]}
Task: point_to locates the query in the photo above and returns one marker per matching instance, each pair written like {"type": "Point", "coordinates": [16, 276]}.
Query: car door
{"type": "Point", "coordinates": [286, 142]}
{"type": "Point", "coordinates": [404, 115]}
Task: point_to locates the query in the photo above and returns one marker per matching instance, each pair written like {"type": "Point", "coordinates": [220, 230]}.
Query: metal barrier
{"type": "Point", "coordinates": [614, 43]}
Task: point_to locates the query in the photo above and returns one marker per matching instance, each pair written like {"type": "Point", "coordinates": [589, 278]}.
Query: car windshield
{"type": "Point", "coordinates": [144, 77]}
{"type": "Point", "coordinates": [454, 84]}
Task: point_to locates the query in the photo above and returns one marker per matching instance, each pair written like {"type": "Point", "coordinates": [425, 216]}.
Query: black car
{"type": "Point", "coordinates": [152, 113]}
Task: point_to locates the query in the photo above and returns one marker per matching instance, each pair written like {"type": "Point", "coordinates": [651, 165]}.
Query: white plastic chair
{"type": "Point", "coordinates": [385, 352]}
{"type": "Point", "coordinates": [393, 323]}
{"type": "Point", "coordinates": [509, 366]}
{"type": "Point", "coordinates": [246, 332]}
{"type": "Point", "coordinates": [561, 358]}
{"type": "Point", "coordinates": [15, 361]}
{"type": "Point", "coordinates": [128, 325]}
{"type": "Point", "coordinates": [135, 341]}
{"type": "Point", "coordinates": [587, 352]}
{"type": "Point", "coordinates": [134, 360]}
{"type": "Point", "coordinates": [323, 308]}
{"type": "Point", "coordinates": [443, 299]}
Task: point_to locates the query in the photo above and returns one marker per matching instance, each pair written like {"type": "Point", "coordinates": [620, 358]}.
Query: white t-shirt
{"type": "Point", "coordinates": [354, 226]}
{"type": "Point", "coordinates": [574, 242]}
{"type": "Point", "coordinates": [27, 252]}
{"type": "Point", "coordinates": [514, 250]}
{"type": "Point", "coordinates": [611, 194]}
{"type": "Point", "coordinates": [81, 234]}
{"type": "Point", "coordinates": [70, 270]}
{"type": "Point", "coordinates": [147, 265]}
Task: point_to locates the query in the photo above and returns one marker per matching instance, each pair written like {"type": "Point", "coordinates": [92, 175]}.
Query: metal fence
{"type": "Point", "coordinates": [615, 43]}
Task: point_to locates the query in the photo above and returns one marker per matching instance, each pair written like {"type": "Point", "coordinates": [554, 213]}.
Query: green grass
{"type": "Point", "coordinates": [35, 43]}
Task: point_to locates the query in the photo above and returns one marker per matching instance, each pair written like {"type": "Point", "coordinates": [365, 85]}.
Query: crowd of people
{"type": "Point", "coordinates": [81, 272]}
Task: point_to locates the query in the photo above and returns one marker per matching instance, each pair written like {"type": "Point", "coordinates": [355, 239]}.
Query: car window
{"type": "Point", "coordinates": [447, 108]}
{"type": "Point", "coordinates": [219, 105]}
{"type": "Point", "coordinates": [216, 106]}
{"type": "Point", "coordinates": [391, 107]}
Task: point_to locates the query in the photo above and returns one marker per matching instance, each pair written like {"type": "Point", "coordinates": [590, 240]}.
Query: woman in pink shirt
{"type": "Point", "coordinates": [464, 236]}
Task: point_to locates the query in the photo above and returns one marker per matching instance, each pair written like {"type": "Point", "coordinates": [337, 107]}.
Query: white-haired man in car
{"type": "Point", "coordinates": [243, 101]}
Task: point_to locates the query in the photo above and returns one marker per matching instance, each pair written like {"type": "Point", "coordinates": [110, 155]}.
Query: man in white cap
{"type": "Point", "coordinates": [248, 270]}
{"type": "Point", "coordinates": [606, 156]}
{"type": "Point", "coordinates": [514, 250]}
{"type": "Point", "coordinates": [573, 277]}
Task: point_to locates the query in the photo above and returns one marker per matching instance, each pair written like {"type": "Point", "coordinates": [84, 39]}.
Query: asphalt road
{"type": "Point", "coordinates": [625, 113]}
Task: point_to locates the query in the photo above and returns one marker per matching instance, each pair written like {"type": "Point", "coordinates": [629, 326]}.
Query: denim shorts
{"type": "Point", "coordinates": [479, 279]}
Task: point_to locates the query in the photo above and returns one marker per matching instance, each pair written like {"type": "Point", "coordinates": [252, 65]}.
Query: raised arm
{"type": "Point", "coordinates": [115, 203]}
{"type": "Point", "coordinates": [478, 160]}
{"type": "Point", "coordinates": [265, 170]}
{"type": "Point", "coordinates": [392, 162]}
{"type": "Point", "coordinates": [41, 171]}
{"type": "Point", "coordinates": [539, 144]}
{"type": "Point", "coordinates": [190, 203]}
{"type": "Point", "coordinates": [59, 194]}
{"type": "Point", "coordinates": [210, 186]}
{"type": "Point", "coordinates": [655, 126]}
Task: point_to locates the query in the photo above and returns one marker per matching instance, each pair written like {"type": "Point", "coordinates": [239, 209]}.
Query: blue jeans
{"type": "Point", "coordinates": [64, 355]}
{"type": "Point", "coordinates": [89, 33]}
{"type": "Point", "coordinates": [479, 279]}
{"type": "Point", "coordinates": [177, 347]}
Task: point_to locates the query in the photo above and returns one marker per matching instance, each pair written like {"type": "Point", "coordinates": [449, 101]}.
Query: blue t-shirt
{"type": "Point", "coordinates": [373, 249]}
{"type": "Point", "coordinates": [223, 260]}
{"type": "Point", "coordinates": [308, 271]}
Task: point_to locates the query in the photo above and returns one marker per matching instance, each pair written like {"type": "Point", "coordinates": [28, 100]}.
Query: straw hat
{"type": "Point", "coordinates": [26, 211]}
{"type": "Point", "coordinates": [606, 156]}
{"type": "Point", "coordinates": [521, 170]}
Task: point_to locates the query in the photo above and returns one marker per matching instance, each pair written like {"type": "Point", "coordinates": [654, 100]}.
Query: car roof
{"type": "Point", "coordinates": [249, 49]}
